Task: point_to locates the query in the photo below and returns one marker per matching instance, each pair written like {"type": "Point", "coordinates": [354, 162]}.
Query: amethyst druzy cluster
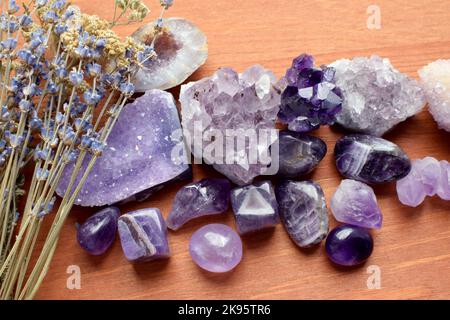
{"type": "Point", "coordinates": [311, 97]}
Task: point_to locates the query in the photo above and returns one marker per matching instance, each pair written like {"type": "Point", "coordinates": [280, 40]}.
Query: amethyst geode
{"type": "Point", "coordinates": [255, 207]}
{"type": "Point", "coordinates": [143, 235]}
{"type": "Point", "coordinates": [201, 198]}
{"type": "Point", "coordinates": [98, 232]}
{"type": "Point", "coordinates": [303, 210]}
{"type": "Point", "coordinates": [311, 98]}
{"type": "Point", "coordinates": [370, 159]}
{"type": "Point", "coordinates": [144, 152]}
{"type": "Point", "coordinates": [228, 107]}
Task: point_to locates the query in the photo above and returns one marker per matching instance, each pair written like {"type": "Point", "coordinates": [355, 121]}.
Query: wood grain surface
{"type": "Point", "coordinates": [412, 249]}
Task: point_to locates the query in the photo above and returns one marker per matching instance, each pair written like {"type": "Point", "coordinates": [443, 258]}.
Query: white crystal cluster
{"type": "Point", "coordinates": [377, 97]}
{"type": "Point", "coordinates": [222, 105]}
{"type": "Point", "coordinates": [435, 79]}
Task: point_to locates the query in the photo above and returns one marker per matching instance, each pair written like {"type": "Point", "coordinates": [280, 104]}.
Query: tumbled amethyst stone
{"type": "Point", "coordinates": [303, 211]}
{"type": "Point", "coordinates": [355, 203]}
{"type": "Point", "coordinates": [444, 181]}
{"type": "Point", "coordinates": [311, 98]}
{"type": "Point", "coordinates": [349, 245]}
{"type": "Point", "coordinates": [255, 207]}
{"type": "Point", "coordinates": [143, 235]}
{"type": "Point", "coordinates": [216, 248]}
{"type": "Point", "coordinates": [145, 150]}
{"type": "Point", "coordinates": [98, 232]}
{"type": "Point", "coordinates": [370, 159]}
{"type": "Point", "coordinates": [205, 197]}
{"type": "Point", "coordinates": [299, 154]}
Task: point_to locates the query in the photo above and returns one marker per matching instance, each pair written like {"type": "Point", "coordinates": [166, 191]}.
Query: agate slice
{"type": "Point", "coordinates": [181, 49]}
{"type": "Point", "coordinates": [144, 152]}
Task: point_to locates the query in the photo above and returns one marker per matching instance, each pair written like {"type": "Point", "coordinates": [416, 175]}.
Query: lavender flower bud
{"type": "Point", "coordinates": [76, 78]}
{"type": "Point", "coordinates": [166, 3]}
{"type": "Point", "coordinates": [13, 7]}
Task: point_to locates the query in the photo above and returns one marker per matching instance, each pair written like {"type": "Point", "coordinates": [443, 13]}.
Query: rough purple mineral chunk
{"type": "Point", "coordinates": [98, 232]}
{"type": "Point", "coordinates": [311, 98]}
{"type": "Point", "coordinates": [226, 107]}
{"type": "Point", "coordinates": [299, 154]}
{"type": "Point", "coordinates": [427, 177]}
{"type": "Point", "coordinates": [255, 207]}
{"type": "Point", "coordinates": [355, 203]}
{"type": "Point", "coordinates": [303, 211]}
{"type": "Point", "coordinates": [370, 159]}
{"type": "Point", "coordinates": [205, 197]}
{"type": "Point", "coordinates": [349, 245]}
{"type": "Point", "coordinates": [143, 235]}
{"type": "Point", "coordinates": [144, 152]}
{"type": "Point", "coordinates": [216, 248]}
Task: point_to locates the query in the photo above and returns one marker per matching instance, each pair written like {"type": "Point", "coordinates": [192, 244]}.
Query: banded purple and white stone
{"type": "Point", "coordinates": [303, 210]}
{"type": "Point", "coordinates": [255, 207]}
{"type": "Point", "coordinates": [143, 235]}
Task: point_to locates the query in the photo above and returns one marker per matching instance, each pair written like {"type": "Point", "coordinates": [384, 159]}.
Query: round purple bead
{"type": "Point", "coordinates": [216, 248]}
{"type": "Point", "coordinates": [349, 245]}
{"type": "Point", "coordinates": [98, 232]}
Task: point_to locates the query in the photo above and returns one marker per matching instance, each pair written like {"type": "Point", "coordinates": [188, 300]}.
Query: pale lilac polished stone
{"type": "Point", "coordinates": [303, 210]}
{"type": "Point", "coordinates": [410, 190]}
{"type": "Point", "coordinates": [143, 235]}
{"type": "Point", "coordinates": [141, 154]}
{"type": "Point", "coordinates": [201, 198]}
{"type": "Point", "coordinates": [216, 248]}
{"type": "Point", "coordinates": [255, 207]}
{"type": "Point", "coordinates": [355, 203]}
{"type": "Point", "coordinates": [98, 232]}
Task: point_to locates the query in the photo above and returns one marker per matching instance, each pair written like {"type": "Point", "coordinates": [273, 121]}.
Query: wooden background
{"type": "Point", "coordinates": [413, 247]}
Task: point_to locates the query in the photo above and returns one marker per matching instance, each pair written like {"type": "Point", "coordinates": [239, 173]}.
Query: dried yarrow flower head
{"type": "Point", "coordinates": [62, 90]}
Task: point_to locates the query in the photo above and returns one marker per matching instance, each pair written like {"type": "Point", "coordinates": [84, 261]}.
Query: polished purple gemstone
{"type": "Point", "coordinates": [216, 248]}
{"type": "Point", "coordinates": [370, 159]}
{"type": "Point", "coordinates": [355, 203]}
{"type": "Point", "coordinates": [98, 232]}
{"type": "Point", "coordinates": [143, 235]}
{"type": "Point", "coordinates": [303, 211]}
{"type": "Point", "coordinates": [299, 154]}
{"type": "Point", "coordinates": [444, 181]}
{"type": "Point", "coordinates": [255, 207]}
{"type": "Point", "coordinates": [205, 197]}
{"type": "Point", "coordinates": [349, 245]}
{"type": "Point", "coordinates": [311, 98]}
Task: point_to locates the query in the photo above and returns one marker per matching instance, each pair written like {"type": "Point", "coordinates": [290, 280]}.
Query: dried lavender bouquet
{"type": "Point", "coordinates": [65, 77]}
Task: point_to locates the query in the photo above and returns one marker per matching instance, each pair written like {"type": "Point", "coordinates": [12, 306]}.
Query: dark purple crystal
{"type": "Point", "coordinates": [370, 159]}
{"type": "Point", "coordinates": [299, 154]}
{"type": "Point", "coordinates": [98, 232]}
{"type": "Point", "coordinates": [311, 98]}
{"type": "Point", "coordinates": [349, 245]}
{"type": "Point", "coordinates": [204, 197]}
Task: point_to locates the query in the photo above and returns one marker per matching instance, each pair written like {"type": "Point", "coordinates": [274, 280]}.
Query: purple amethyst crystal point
{"type": "Point", "coordinates": [303, 211]}
{"type": "Point", "coordinates": [349, 245]}
{"type": "Point", "coordinates": [311, 98]}
{"type": "Point", "coordinates": [143, 235]}
{"type": "Point", "coordinates": [355, 203]}
{"type": "Point", "coordinates": [205, 197]}
{"type": "Point", "coordinates": [143, 152]}
{"type": "Point", "coordinates": [370, 159]}
{"type": "Point", "coordinates": [255, 207]}
{"type": "Point", "coordinates": [227, 107]}
{"type": "Point", "coordinates": [299, 154]}
{"type": "Point", "coordinates": [98, 232]}
{"type": "Point", "coordinates": [216, 248]}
